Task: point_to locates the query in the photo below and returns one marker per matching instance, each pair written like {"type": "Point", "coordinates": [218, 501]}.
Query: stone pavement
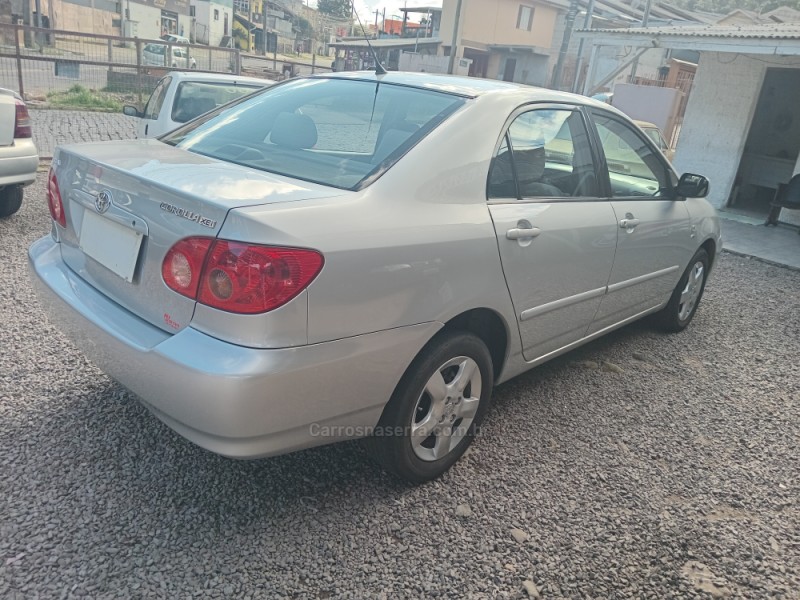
{"type": "Point", "coordinates": [54, 127]}
{"type": "Point", "coordinates": [778, 245]}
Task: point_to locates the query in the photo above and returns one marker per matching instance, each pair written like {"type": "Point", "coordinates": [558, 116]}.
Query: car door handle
{"type": "Point", "coordinates": [522, 234]}
{"type": "Point", "coordinates": [628, 223]}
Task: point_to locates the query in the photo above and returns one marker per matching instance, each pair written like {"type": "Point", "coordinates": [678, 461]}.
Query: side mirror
{"type": "Point", "coordinates": [692, 186]}
{"type": "Point", "coordinates": [131, 111]}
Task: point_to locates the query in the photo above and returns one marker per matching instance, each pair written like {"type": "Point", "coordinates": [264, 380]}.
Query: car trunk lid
{"type": "Point", "coordinates": [127, 203]}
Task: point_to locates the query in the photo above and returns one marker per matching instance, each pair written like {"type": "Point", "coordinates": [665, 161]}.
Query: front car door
{"type": "Point", "coordinates": [555, 234]}
{"type": "Point", "coordinates": [153, 122]}
{"type": "Point", "coordinates": [655, 239]}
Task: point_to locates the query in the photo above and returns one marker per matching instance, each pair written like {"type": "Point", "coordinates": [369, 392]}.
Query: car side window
{"type": "Point", "coordinates": [545, 154]}
{"type": "Point", "coordinates": [634, 169]}
{"type": "Point", "coordinates": [157, 99]}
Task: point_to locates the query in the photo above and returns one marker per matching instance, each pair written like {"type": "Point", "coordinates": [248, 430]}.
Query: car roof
{"type": "Point", "coordinates": [471, 87]}
{"type": "Point", "coordinates": [644, 124]}
{"type": "Point", "coordinates": [217, 78]}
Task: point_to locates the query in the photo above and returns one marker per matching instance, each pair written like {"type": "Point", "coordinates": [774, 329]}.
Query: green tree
{"type": "Point", "coordinates": [341, 9]}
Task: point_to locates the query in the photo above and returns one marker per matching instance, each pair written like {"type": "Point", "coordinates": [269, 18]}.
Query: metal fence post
{"type": "Point", "coordinates": [313, 61]}
{"type": "Point", "coordinates": [210, 68]}
{"type": "Point", "coordinates": [138, 45]}
{"type": "Point", "coordinates": [238, 62]}
{"type": "Point", "coordinates": [110, 55]}
{"type": "Point", "coordinates": [19, 60]}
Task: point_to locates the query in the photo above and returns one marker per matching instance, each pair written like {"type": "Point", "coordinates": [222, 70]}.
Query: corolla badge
{"type": "Point", "coordinates": [102, 201]}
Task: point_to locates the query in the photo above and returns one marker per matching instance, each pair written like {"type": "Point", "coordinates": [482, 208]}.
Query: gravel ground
{"type": "Point", "coordinates": [677, 477]}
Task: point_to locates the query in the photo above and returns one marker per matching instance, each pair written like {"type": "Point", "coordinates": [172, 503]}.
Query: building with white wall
{"type": "Point", "coordinates": [213, 22]}
{"type": "Point", "coordinates": [148, 19]}
{"type": "Point", "coordinates": [742, 123]}
{"type": "Point", "coordinates": [504, 39]}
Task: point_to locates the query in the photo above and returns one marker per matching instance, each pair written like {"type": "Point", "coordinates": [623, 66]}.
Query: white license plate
{"type": "Point", "coordinates": [114, 246]}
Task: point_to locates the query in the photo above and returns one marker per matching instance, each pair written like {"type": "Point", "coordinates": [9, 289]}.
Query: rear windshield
{"type": "Point", "coordinates": [337, 132]}
{"type": "Point", "coordinates": [194, 98]}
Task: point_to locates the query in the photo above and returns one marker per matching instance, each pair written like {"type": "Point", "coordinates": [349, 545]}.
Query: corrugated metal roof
{"type": "Point", "coordinates": [782, 31]}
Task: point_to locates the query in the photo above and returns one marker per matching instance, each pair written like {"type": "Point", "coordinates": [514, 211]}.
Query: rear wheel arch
{"type": "Point", "coordinates": [490, 327]}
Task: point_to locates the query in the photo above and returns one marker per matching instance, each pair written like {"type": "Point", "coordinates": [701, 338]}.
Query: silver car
{"type": "Point", "coordinates": [355, 255]}
{"type": "Point", "coordinates": [162, 55]}
{"type": "Point", "coordinates": [19, 159]}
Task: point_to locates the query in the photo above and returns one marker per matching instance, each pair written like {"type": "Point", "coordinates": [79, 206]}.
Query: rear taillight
{"type": "Point", "coordinates": [237, 277]}
{"type": "Point", "coordinates": [54, 202]}
{"type": "Point", "coordinates": [183, 265]}
{"type": "Point", "coordinates": [22, 126]}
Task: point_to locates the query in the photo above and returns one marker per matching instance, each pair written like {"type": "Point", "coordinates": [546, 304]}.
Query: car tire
{"type": "Point", "coordinates": [445, 390]}
{"type": "Point", "coordinates": [10, 200]}
{"type": "Point", "coordinates": [686, 296]}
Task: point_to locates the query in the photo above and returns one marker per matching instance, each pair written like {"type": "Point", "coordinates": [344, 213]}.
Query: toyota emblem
{"type": "Point", "coordinates": [102, 201]}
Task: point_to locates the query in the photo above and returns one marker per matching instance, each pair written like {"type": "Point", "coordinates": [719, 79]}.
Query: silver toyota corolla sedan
{"type": "Point", "coordinates": [356, 255]}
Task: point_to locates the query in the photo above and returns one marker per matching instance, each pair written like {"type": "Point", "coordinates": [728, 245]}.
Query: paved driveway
{"type": "Point", "coordinates": [54, 127]}
{"type": "Point", "coordinates": [641, 466]}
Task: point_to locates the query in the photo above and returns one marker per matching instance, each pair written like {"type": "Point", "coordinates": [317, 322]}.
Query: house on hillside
{"type": "Point", "coordinates": [503, 39]}
{"type": "Point", "coordinates": [212, 22]}
{"type": "Point", "coordinates": [146, 19]}
{"type": "Point", "coordinates": [522, 41]}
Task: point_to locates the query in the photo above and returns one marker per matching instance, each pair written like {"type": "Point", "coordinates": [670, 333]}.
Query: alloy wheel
{"type": "Point", "coordinates": [446, 408]}
{"type": "Point", "coordinates": [691, 293]}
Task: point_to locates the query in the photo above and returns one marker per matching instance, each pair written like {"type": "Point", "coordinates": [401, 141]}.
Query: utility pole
{"type": "Point", "coordinates": [454, 45]}
{"type": "Point", "coordinates": [587, 24]}
{"type": "Point", "coordinates": [645, 21]}
{"type": "Point", "coordinates": [122, 18]}
{"type": "Point", "coordinates": [38, 23]}
{"type": "Point", "coordinates": [264, 27]}
{"type": "Point", "coordinates": [569, 25]}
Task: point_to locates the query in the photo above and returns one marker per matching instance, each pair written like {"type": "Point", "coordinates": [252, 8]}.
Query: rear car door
{"type": "Point", "coordinates": [655, 237]}
{"type": "Point", "coordinates": [556, 235]}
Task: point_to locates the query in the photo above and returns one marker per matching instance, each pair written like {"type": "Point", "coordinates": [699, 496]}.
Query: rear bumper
{"type": "Point", "coordinates": [236, 401]}
{"type": "Point", "coordinates": [18, 163]}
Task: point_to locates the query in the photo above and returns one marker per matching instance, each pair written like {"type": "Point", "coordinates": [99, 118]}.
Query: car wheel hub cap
{"type": "Point", "coordinates": [446, 408]}
{"type": "Point", "coordinates": [691, 293]}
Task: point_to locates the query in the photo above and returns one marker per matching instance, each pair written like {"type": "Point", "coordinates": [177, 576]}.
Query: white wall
{"type": "Point", "coordinates": [718, 117]}
{"type": "Point", "coordinates": [204, 14]}
{"type": "Point", "coordinates": [717, 120]}
{"type": "Point", "coordinates": [657, 105]}
{"type": "Point", "coordinates": [429, 63]}
{"type": "Point", "coordinates": [146, 21]}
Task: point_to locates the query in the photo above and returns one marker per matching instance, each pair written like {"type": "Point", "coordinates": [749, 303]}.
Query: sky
{"type": "Point", "coordinates": [366, 8]}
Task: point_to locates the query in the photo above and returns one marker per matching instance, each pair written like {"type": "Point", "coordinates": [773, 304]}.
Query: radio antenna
{"type": "Point", "coordinates": [379, 68]}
